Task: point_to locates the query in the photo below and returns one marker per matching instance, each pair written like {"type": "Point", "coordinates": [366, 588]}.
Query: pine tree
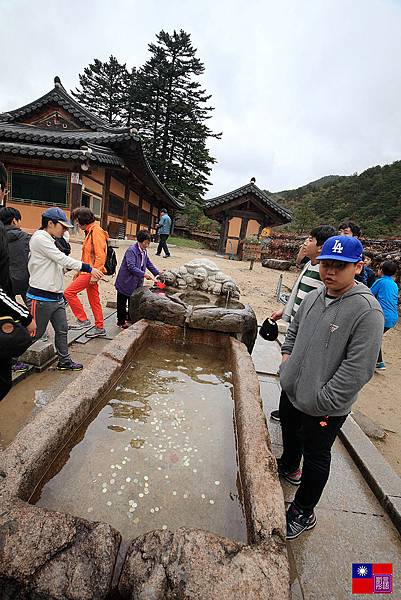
{"type": "Point", "coordinates": [129, 98]}
{"type": "Point", "coordinates": [172, 110]}
{"type": "Point", "coordinates": [104, 87]}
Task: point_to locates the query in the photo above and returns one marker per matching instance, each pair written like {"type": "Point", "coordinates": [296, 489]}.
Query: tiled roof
{"type": "Point", "coordinates": [98, 154]}
{"type": "Point", "coordinates": [60, 96]}
{"type": "Point", "coordinates": [70, 137]}
{"type": "Point", "coordinates": [102, 144]}
{"type": "Point", "coordinates": [250, 188]}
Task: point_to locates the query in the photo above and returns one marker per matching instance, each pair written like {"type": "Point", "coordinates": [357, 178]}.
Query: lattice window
{"type": "Point", "coordinates": [39, 187]}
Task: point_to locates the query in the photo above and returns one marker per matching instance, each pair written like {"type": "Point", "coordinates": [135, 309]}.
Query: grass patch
{"type": "Point", "coordinates": [184, 242]}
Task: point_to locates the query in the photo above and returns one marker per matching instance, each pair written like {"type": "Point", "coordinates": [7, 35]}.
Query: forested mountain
{"type": "Point", "coordinates": [371, 199]}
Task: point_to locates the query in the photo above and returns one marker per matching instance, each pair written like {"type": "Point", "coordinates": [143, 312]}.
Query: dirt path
{"type": "Point", "coordinates": [380, 400]}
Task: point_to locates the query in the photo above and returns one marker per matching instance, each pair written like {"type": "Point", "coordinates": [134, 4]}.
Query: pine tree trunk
{"type": "Point", "coordinates": [167, 120]}
{"type": "Point", "coordinates": [156, 123]}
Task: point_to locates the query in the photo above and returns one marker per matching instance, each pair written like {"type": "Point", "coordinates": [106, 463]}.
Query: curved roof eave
{"type": "Point", "coordinates": [60, 95]}
{"type": "Point", "coordinates": [246, 189]}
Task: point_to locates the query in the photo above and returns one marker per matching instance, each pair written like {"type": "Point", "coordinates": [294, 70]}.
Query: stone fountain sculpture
{"type": "Point", "coordinates": [198, 296]}
{"type": "Point", "coordinates": [201, 274]}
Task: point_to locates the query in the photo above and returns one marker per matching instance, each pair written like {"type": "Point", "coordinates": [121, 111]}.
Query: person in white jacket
{"type": "Point", "coordinates": [46, 282]}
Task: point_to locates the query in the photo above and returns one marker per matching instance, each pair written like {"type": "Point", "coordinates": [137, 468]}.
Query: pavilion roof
{"type": "Point", "coordinates": [251, 188]}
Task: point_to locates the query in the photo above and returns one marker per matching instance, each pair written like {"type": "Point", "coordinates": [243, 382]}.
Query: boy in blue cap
{"type": "Point", "coordinates": [328, 355]}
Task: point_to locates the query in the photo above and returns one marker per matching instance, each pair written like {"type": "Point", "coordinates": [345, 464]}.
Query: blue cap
{"type": "Point", "coordinates": [56, 214]}
{"type": "Point", "coordinates": [342, 247]}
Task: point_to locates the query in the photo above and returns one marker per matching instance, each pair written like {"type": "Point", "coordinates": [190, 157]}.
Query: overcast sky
{"type": "Point", "coordinates": [302, 88]}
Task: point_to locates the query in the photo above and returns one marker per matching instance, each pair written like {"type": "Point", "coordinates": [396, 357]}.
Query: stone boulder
{"type": "Point", "coordinates": [241, 322]}
{"type": "Point", "coordinates": [145, 304]}
{"type": "Point", "coordinates": [46, 555]}
{"type": "Point", "coordinates": [192, 564]}
{"type": "Point", "coordinates": [274, 263]}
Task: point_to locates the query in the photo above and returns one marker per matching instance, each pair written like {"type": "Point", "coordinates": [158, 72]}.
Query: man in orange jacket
{"type": "Point", "coordinates": [94, 248]}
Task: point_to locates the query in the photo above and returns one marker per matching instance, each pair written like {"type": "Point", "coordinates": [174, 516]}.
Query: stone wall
{"type": "Point", "coordinates": [210, 240]}
{"type": "Point", "coordinates": [285, 246]}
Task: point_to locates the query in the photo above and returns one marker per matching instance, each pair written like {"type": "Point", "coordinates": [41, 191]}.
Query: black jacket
{"type": "Point", "coordinates": [18, 250]}
{"type": "Point", "coordinates": [5, 279]}
{"type": "Point", "coordinates": [10, 308]}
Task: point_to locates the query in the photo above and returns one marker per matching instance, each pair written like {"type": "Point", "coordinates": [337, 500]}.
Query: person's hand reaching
{"type": "Point", "coordinates": [32, 328]}
{"type": "Point", "coordinates": [96, 274]}
{"type": "Point", "coordinates": [277, 314]}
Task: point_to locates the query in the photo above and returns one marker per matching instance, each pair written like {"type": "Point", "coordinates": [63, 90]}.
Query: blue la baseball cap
{"type": "Point", "coordinates": [342, 247]}
{"type": "Point", "coordinates": [56, 214]}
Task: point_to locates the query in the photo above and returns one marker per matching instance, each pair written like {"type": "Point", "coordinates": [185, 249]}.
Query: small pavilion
{"type": "Point", "coordinates": [244, 213]}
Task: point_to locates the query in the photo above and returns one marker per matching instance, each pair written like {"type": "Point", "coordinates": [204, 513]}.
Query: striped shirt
{"type": "Point", "coordinates": [310, 281]}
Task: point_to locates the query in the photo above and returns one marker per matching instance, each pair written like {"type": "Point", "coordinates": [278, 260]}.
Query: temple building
{"type": "Point", "coordinates": [244, 213]}
{"type": "Point", "coordinates": [57, 153]}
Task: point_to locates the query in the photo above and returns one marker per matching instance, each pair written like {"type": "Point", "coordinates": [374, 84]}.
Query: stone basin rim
{"type": "Point", "coordinates": [24, 466]}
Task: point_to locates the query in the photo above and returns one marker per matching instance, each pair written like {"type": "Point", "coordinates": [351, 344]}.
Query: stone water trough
{"type": "Point", "coordinates": [55, 554]}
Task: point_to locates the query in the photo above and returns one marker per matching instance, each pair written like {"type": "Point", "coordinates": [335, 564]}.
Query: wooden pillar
{"type": "Point", "coordinates": [105, 200]}
{"type": "Point", "coordinates": [223, 235]}
{"type": "Point", "coordinates": [139, 214]}
{"type": "Point", "coordinates": [126, 202]}
{"type": "Point", "coordinates": [244, 226]}
{"type": "Point", "coordinates": [75, 190]}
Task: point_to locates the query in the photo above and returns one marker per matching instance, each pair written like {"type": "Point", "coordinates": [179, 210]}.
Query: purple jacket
{"type": "Point", "coordinates": [131, 273]}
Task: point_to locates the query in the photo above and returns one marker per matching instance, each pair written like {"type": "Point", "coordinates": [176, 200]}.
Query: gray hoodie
{"type": "Point", "coordinates": [333, 351]}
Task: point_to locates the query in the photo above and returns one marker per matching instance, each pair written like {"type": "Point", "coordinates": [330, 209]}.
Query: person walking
{"type": "Point", "coordinates": [132, 273]}
{"type": "Point", "coordinates": [328, 355]}
{"type": "Point", "coordinates": [94, 251]}
{"type": "Point", "coordinates": [385, 290]}
{"type": "Point", "coordinates": [46, 282]}
{"type": "Point", "coordinates": [308, 280]}
{"type": "Point", "coordinates": [163, 230]}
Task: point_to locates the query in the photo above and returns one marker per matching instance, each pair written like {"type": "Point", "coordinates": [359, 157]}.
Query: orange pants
{"type": "Point", "coordinates": [82, 282]}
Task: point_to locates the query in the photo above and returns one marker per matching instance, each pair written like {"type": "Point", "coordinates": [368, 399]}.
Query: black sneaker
{"type": "Point", "coordinates": [298, 521]}
{"type": "Point", "coordinates": [293, 477]}
{"type": "Point", "coordinates": [69, 366]}
{"type": "Point", "coordinates": [275, 415]}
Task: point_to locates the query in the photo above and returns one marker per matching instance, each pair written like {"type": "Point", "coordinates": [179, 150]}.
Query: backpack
{"type": "Point", "coordinates": [111, 261]}
{"type": "Point", "coordinates": [63, 245]}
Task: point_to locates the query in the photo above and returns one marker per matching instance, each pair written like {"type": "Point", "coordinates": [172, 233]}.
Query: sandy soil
{"type": "Point", "coordinates": [380, 400]}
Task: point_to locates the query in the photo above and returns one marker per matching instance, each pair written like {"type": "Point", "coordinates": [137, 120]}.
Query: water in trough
{"type": "Point", "coordinates": [160, 451]}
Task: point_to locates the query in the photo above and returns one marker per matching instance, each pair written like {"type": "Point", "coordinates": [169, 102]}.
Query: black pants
{"type": "Point", "coordinates": [163, 244]}
{"type": "Point", "coordinates": [307, 436]}
{"type": "Point", "coordinates": [380, 357]}
{"type": "Point", "coordinates": [5, 376]}
{"type": "Point", "coordinates": [122, 301]}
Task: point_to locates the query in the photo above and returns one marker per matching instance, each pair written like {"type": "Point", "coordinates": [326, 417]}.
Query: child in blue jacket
{"type": "Point", "coordinates": [385, 290]}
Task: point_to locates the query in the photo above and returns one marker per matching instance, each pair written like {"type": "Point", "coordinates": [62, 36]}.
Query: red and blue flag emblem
{"type": "Point", "coordinates": [372, 578]}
